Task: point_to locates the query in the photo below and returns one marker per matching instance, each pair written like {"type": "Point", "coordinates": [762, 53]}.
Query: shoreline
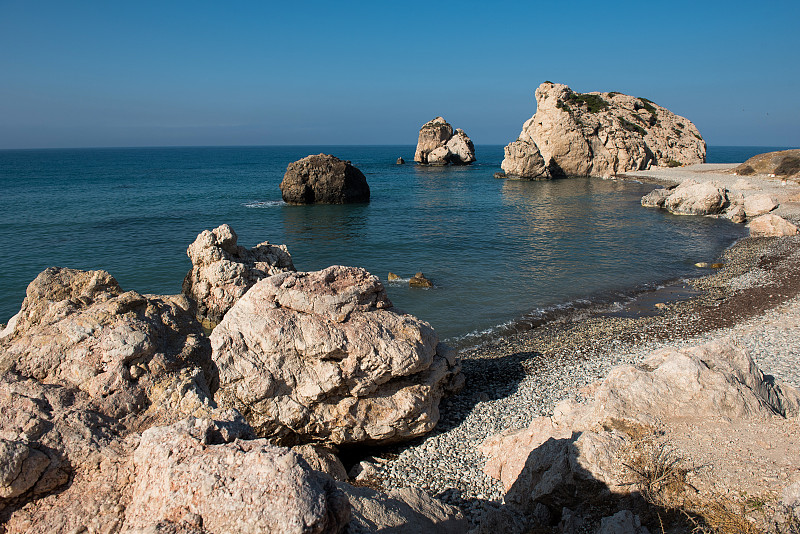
{"type": "Point", "coordinates": [515, 378]}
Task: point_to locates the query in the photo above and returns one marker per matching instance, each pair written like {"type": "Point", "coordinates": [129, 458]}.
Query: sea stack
{"type": "Point", "coordinates": [323, 179]}
{"type": "Point", "coordinates": [439, 145]}
{"type": "Point", "coordinates": [599, 134]}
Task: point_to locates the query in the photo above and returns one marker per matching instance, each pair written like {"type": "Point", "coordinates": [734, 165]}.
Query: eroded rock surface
{"type": "Point", "coordinates": [130, 353]}
{"type": "Point", "coordinates": [599, 134]}
{"type": "Point", "coordinates": [324, 179]}
{"type": "Point", "coordinates": [223, 271]}
{"type": "Point", "coordinates": [586, 447]}
{"type": "Point", "coordinates": [439, 145]}
{"type": "Point", "coordinates": [198, 472]}
{"type": "Point", "coordinates": [322, 356]}
{"type": "Point", "coordinates": [402, 511]}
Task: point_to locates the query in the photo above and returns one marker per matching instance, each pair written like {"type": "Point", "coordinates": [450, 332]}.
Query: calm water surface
{"type": "Point", "coordinates": [496, 249]}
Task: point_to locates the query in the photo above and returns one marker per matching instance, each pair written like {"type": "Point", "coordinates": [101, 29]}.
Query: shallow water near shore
{"type": "Point", "coordinates": [501, 253]}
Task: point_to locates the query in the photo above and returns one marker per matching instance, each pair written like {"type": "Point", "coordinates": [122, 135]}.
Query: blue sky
{"type": "Point", "coordinates": [108, 73]}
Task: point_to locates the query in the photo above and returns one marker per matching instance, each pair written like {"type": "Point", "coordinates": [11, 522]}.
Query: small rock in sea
{"type": "Point", "coordinates": [661, 305]}
{"type": "Point", "coordinates": [419, 280]}
{"type": "Point", "coordinates": [400, 161]}
{"type": "Point", "coordinates": [391, 277]}
{"type": "Point", "coordinates": [500, 175]}
{"type": "Point", "coordinates": [717, 265]}
{"type": "Point", "coordinates": [701, 264]}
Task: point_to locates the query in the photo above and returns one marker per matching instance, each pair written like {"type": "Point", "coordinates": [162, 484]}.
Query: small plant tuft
{"type": "Point", "coordinates": [631, 127]}
{"type": "Point", "coordinates": [673, 163]}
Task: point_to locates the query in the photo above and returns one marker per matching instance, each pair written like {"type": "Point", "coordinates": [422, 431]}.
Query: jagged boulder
{"type": "Point", "coordinates": [198, 472]}
{"type": "Point", "coordinates": [324, 179]}
{"type": "Point", "coordinates": [322, 356]}
{"type": "Point", "coordinates": [223, 271]}
{"type": "Point", "coordinates": [439, 145]}
{"type": "Point", "coordinates": [129, 352]}
{"type": "Point", "coordinates": [600, 134]}
{"type": "Point", "coordinates": [65, 464]}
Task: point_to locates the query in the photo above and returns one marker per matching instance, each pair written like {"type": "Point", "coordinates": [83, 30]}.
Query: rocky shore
{"type": "Point", "coordinates": [315, 406]}
{"type": "Point", "coordinates": [753, 300]}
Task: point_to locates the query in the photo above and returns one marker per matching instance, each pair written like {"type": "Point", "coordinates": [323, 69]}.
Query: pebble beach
{"type": "Point", "coordinates": [753, 299]}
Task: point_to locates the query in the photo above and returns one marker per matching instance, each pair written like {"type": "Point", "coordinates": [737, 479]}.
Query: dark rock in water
{"type": "Point", "coordinates": [400, 161]}
{"type": "Point", "coordinates": [323, 179]}
{"type": "Point", "coordinates": [500, 175]}
{"type": "Point", "coordinates": [419, 280]}
{"type": "Point", "coordinates": [392, 277]}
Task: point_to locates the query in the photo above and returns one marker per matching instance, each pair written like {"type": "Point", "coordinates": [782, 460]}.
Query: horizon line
{"type": "Point", "coordinates": [132, 147]}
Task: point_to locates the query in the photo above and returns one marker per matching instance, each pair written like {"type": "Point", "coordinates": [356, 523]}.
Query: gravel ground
{"type": "Point", "coordinates": [754, 298]}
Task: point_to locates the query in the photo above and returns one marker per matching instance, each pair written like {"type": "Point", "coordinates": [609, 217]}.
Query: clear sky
{"type": "Point", "coordinates": [151, 73]}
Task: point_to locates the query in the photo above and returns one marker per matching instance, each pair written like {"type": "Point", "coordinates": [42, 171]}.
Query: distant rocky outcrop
{"type": "Point", "coordinates": [322, 356]}
{"type": "Point", "coordinates": [781, 164]}
{"type": "Point", "coordinates": [324, 179]}
{"type": "Point", "coordinates": [628, 424]}
{"type": "Point", "coordinates": [223, 271]}
{"type": "Point", "coordinates": [599, 134]}
{"type": "Point", "coordinates": [439, 145]}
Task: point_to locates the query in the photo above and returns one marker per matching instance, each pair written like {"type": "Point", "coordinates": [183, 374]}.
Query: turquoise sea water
{"type": "Point", "coordinates": [497, 250]}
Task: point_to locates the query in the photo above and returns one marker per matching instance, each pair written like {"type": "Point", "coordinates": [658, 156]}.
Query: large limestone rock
{"type": "Point", "coordinates": [84, 367]}
{"type": "Point", "coordinates": [693, 198]}
{"type": "Point", "coordinates": [770, 225]}
{"type": "Point", "coordinates": [322, 356]}
{"type": "Point", "coordinates": [130, 353]}
{"type": "Point", "coordinates": [65, 464]}
{"type": "Point", "coordinates": [689, 198]}
{"type": "Point", "coordinates": [223, 271]}
{"type": "Point", "coordinates": [198, 472]}
{"type": "Point", "coordinates": [523, 159]}
{"type": "Point", "coordinates": [324, 179]}
{"type": "Point", "coordinates": [601, 134]}
{"type": "Point", "coordinates": [783, 164]}
{"type": "Point", "coordinates": [563, 460]}
{"type": "Point", "coordinates": [438, 145]}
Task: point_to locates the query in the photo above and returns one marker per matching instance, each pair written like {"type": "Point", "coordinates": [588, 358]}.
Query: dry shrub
{"type": "Point", "coordinates": [658, 473]}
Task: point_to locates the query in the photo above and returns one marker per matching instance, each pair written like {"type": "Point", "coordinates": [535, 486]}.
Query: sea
{"type": "Point", "coordinates": [502, 254]}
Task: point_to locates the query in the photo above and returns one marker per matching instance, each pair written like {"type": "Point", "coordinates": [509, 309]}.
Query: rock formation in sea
{"type": "Point", "coordinates": [323, 356]}
{"type": "Point", "coordinates": [324, 179]}
{"type": "Point", "coordinates": [781, 164]}
{"type": "Point", "coordinates": [223, 271]}
{"type": "Point", "coordinates": [636, 415]}
{"type": "Point", "coordinates": [599, 134]}
{"type": "Point", "coordinates": [439, 145]}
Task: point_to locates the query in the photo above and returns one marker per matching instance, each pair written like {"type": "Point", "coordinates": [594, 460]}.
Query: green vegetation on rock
{"type": "Point", "coordinates": [631, 127]}
{"type": "Point", "coordinates": [594, 103]}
